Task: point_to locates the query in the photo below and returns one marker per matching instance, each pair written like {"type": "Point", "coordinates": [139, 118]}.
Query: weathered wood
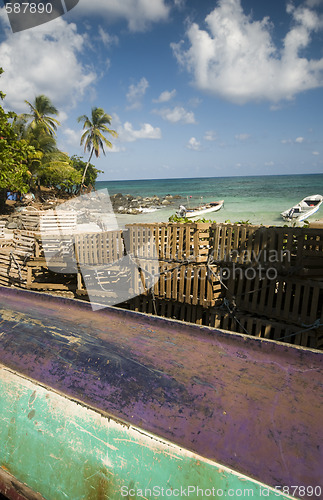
{"type": "Point", "coordinates": [170, 242]}
{"type": "Point", "coordinates": [297, 248]}
{"type": "Point", "coordinates": [290, 299]}
{"type": "Point", "coordinates": [49, 221]}
{"type": "Point", "coordinates": [99, 248]}
{"type": "Point", "coordinates": [14, 489]}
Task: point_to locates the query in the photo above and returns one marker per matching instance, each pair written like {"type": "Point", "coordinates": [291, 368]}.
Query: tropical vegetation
{"type": "Point", "coordinates": [30, 158]}
{"type": "Point", "coordinates": [93, 138]}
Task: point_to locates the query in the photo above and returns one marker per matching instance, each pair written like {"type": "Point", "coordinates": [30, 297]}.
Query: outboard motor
{"type": "Point", "coordinates": [181, 212]}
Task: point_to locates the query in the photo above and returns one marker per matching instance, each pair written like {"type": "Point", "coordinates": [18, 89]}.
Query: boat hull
{"type": "Point", "coordinates": [303, 209]}
{"type": "Point", "coordinates": [126, 399]}
{"type": "Point", "coordinates": [66, 450]}
{"type": "Point", "coordinates": [198, 213]}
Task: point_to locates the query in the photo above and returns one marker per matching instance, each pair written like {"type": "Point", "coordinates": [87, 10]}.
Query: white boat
{"type": "Point", "coordinates": [207, 208]}
{"type": "Point", "coordinates": [304, 209]}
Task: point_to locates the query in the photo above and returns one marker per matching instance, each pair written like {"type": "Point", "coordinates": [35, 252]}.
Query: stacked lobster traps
{"type": "Point", "coordinates": [103, 273]}
{"type": "Point", "coordinates": [255, 280]}
{"type": "Point", "coordinates": [35, 257]}
{"type": "Point", "coordinates": [178, 279]}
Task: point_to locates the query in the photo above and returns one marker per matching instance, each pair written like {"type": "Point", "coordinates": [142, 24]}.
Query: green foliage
{"type": "Point", "coordinates": [40, 115]}
{"type": "Point", "coordinates": [244, 222]}
{"type": "Point", "coordinates": [91, 172]}
{"type": "Point", "coordinates": [15, 155]}
{"type": "Point", "coordinates": [61, 176]}
{"type": "Point", "coordinates": [93, 137]}
{"type": "Point", "coordinates": [29, 156]}
{"type": "Point", "coordinates": [50, 166]}
{"type": "Point", "coordinates": [306, 223]}
{"type": "Point", "coordinates": [186, 220]}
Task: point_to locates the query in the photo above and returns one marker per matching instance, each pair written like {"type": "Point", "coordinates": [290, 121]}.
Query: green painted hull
{"type": "Point", "coordinates": [64, 449]}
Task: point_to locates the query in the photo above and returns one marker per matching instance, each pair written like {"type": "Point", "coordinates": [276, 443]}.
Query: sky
{"type": "Point", "coordinates": [195, 88]}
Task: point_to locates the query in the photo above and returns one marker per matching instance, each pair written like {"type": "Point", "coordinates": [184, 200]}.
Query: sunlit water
{"type": "Point", "coordinates": [259, 199]}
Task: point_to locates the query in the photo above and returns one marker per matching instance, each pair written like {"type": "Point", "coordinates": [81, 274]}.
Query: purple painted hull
{"type": "Point", "coordinates": [250, 404]}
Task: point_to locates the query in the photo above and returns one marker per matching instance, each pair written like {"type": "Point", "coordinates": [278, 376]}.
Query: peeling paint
{"type": "Point", "coordinates": [243, 412]}
{"type": "Point", "coordinates": [74, 458]}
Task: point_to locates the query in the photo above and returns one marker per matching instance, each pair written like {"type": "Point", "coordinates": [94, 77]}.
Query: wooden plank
{"type": "Point", "coordinates": [195, 285]}
{"type": "Point", "coordinates": [188, 284]}
{"type": "Point", "coordinates": [181, 289]}
{"type": "Point", "coordinates": [180, 242]}
{"type": "Point", "coordinates": [168, 284]}
{"type": "Point", "coordinates": [203, 286]}
{"type": "Point", "coordinates": [316, 301]}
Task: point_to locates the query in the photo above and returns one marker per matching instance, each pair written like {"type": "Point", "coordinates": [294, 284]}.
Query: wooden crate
{"type": "Point", "coordinates": [49, 221]}
{"type": "Point", "coordinates": [263, 328]}
{"type": "Point", "coordinates": [167, 308]}
{"type": "Point", "coordinates": [237, 322]}
{"type": "Point", "coordinates": [27, 242]}
{"type": "Point", "coordinates": [285, 248]}
{"type": "Point", "coordinates": [52, 230]}
{"type": "Point", "coordinates": [170, 242]}
{"type": "Point", "coordinates": [99, 248]}
{"type": "Point", "coordinates": [289, 299]}
{"type": "Point", "coordinates": [107, 281]}
{"type": "Point", "coordinates": [13, 268]}
{"type": "Point", "coordinates": [185, 283]}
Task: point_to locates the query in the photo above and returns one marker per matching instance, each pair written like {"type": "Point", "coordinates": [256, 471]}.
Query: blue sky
{"type": "Point", "coordinates": [195, 88]}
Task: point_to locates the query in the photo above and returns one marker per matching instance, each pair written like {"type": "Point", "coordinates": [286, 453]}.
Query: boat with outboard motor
{"type": "Point", "coordinates": [207, 208]}
{"type": "Point", "coordinates": [304, 209]}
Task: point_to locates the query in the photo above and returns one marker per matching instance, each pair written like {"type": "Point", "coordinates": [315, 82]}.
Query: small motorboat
{"type": "Point", "coordinates": [304, 209]}
{"type": "Point", "coordinates": [207, 208]}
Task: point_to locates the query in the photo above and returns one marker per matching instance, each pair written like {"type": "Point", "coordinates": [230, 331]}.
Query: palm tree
{"type": "Point", "coordinates": [40, 114]}
{"type": "Point", "coordinates": [93, 138]}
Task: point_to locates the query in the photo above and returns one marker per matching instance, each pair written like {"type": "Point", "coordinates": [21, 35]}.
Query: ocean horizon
{"type": "Point", "coordinates": [257, 199]}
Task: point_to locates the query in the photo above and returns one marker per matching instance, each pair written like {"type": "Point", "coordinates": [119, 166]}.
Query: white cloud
{"type": "Point", "coordinates": [106, 38]}
{"type": "Point", "coordinates": [72, 137]}
{"type": "Point", "coordinates": [116, 149]}
{"type": "Point", "coordinates": [62, 116]}
{"type": "Point", "coordinates": [177, 114]}
{"type": "Point", "coordinates": [126, 132]}
{"type": "Point", "coordinates": [210, 135]}
{"type": "Point", "coordinates": [44, 60]}
{"type": "Point", "coordinates": [298, 140]}
{"type": "Point", "coordinates": [138, 13]}
{"type": "Point", "coordinates": [136, 93]}
{"type": "Point", "coordinates": [165, 96]}
{"type": "Point", "coordinates": [315, 153]}
{"type": "Point", "coordinates": [236, 58]}
{"type": "Point", "coordinates": [194, 144]}
{"type": "Point", "coordinates": [242, 137]}
{"type": "Point", "coordinates": [194, 102]}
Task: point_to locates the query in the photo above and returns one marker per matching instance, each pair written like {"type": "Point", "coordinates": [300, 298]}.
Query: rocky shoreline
{"type": "Point", "coordinates": [128, 204]}
{"type": "Point", "coordinates": [121, 204]}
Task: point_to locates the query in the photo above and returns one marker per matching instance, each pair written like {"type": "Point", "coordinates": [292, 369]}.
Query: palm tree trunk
{"type": "Point", "coordinates": [85, 170]}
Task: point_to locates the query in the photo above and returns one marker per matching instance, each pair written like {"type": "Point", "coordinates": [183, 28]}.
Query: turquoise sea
{"type": "Point", "coordinates": [259, 199]}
